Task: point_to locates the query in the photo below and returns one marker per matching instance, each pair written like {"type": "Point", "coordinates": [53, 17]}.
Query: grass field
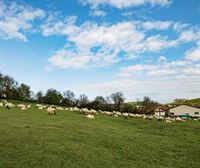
{"type": "Point", "coordinates": [191, 102]}
{"type": "Point", "coordinates": [34, 139]}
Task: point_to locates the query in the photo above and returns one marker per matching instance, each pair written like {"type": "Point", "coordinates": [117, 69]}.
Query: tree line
{"type": "Point", "coordinates": [11, 89]}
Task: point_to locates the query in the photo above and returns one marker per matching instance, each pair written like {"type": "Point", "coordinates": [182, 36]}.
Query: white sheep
{"type": "Point", "coordinates": [118, 113]}
{"type": "Point", "coordinates": [168, 120]}
{"type": "Point", "coordinates": [89, 116]}
{"type": "Point", "coordinates": [59, 108]}
{"type": "Point", "coordinates": [150, 117]}
{"type": "Point", "coordinates": [9, 105]}
{"type": "Point", "coordinates": [51, 110]}
{"type": "Point", "coordinates": [179, 119]}
{"type": "Point", "coordinates": [1, 104]}
{"type": "Point", "coordinates": [76, 109]}
{"type": "Point", "coordinates": [23, 108]}
{"type": "Point", "coordinates": [125, 115]}
{"type": "Point", "coordinates": [29, 106]}
{"type": "Point", "coordinates": [40, 108]}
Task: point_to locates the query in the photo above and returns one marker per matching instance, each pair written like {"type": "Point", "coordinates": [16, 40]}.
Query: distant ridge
{"type": "Point", "coordinates": [191, 102]}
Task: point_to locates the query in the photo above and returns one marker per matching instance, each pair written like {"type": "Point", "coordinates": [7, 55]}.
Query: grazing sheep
{"type": "Point", "coordinates": [108, 113]}
{"type": "Point", "coordinates": [115, 115]}
{"type": "Point", "coordinates": [9, 105]}
{"type": "Point", "coordinates": [118, 113]}
{"type": "Point", "coordinates": [160, 118]}
{"type": "Point", "coordinates": [131, 115]}
{"type": "Point", "coordinates": [1, 104]}
{"type": "Point", "coordinates": [29, 106]}
{"type": "Point", "coordinates": [59, 108]}
{"type": "Point", "coordinates": [139, 115]}
{"type": "Point", "coordinates": [125, 115]}
{"type": "Point", "coordinates": [40, 108]}
{"type": "Point", "coordinates": [168, 121]}
{"type": "Point", "coordinates": [144, 116]}
{"type": "Point", "coordinates": [23, 108]}
{"type": "Point", "coordinates": [93, 111]}
{"type": "Point", "coordinates": [179, 119]}
{"type": "Point", "coordinates": [21, 105]}
{"type": "Point", "coordinates": [67, 108]}
{"type": "Point", "coordinates": [76, 109]}
{"type": "Point", "coordinates": [51, 110]}
{"type": "Point", "coordinates": [71, 109]}
{"type": "Point", "coordinates": [85, 110]}
{"type": "Point", "coordinates": [150, 117]}
{"type": "Point", "coordinates": [89, 116]}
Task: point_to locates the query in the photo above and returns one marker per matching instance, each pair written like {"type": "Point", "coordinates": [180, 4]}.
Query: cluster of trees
{"type": "Point", "coordinates": [10, 89]}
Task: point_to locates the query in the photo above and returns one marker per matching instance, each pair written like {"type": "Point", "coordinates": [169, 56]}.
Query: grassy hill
{"type": "Point", "coordinates": [191, 102]}
{"type": "Point", "coordinates": [34, 139]}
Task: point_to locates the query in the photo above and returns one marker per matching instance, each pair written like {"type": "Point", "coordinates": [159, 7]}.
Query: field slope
{"type": "Point", "coordinates": [34, 139]}
{"type": "Point", "coordinates": [191, 102]}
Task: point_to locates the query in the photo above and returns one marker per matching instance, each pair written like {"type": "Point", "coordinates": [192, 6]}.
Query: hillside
{"type": "Point", "coordinates": [191, 102]}
{"type": "Point", "coordinates": [32, 138]}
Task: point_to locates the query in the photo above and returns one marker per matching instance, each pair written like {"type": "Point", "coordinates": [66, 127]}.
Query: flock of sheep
{"type": "Point", "coordinates": [90, 114]}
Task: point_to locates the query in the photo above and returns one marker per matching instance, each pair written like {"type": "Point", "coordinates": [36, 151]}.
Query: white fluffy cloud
{"type": "Point", "coordinates": [71, 58]}
{"type": "Point", "coordinates": [16, 19]}
{"type": "Point", "coordinates": [159, 25]}
{"type": "Point", "coordinates": [193, 54]}
{"type": "Point", "coordinates": [97, 12]}
{"type": "Point", "coordinates": [126, 3]}
{"type": "Point", "coordinates": [123, 37]}
{"type": "Point", "coordinates": [163, 81]}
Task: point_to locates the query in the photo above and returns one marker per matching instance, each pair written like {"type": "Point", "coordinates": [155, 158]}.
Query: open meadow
{"type": "Point", "coordinates": [32, 138]}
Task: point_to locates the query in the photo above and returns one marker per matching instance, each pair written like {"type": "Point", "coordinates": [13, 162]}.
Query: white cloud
{"type": "Point", "coordinates": [125, 3]}
{"type": "Point", "coordinates": [162, 59]}
{"type": "Point", "coordinates": [157, 81]}
{"type": "Point", "coordinates": [73, 58]}
{"type": "Point", "coordinates": [177, 63]}
{"type": "Point", "coordinates": [162, 90]}
{"type": "Point", "coordinates": [135, 69]}
{"type": "Point", "coordinates": [16, 19]}
{"type": "Point", "coordinates": [187, 36]}
{"type": "Point", "coordinates": [158, 42]}
{"type": "Point", "coordinates": [193, 54]}
{"type": "Point", "coordinates": [124, 37]}
{"type": "Point", "coordinates": [97, 12]}
{"type": "Point", "coordinates": [162, 72]}
{"type": "Point", "coordinates": [159, 25]}
{"type": "Point", "coordinates": [162, 69]}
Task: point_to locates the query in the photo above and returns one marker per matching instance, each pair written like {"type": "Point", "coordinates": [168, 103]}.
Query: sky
{"type": "Point", "coordinates": [97, 47]}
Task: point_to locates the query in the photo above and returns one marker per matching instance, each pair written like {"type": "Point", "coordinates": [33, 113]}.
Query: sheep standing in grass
{"type": "Point", "coordinates": [24, 108]}
{"type": "Point", "coordinates": [1, 104]}
{"type": "Point", "coordinates": [125, 115]}
{"type": "Point", "coordinates": [90, 116]}
{"type": "Point", "coordinates": [76, 109]}
{"type": "Point", "coordinates": [29, 106]}
{"type": "Point", "coordinates": [9, 105]}
{"type": "Point", "coordinates": [179, 119]}
{"type": "Point", "coordinates": [51, 110]}
{"type": "Point", "coordinates": [168, 121]}
{"type": "Point", "coordinates": [150, 117]}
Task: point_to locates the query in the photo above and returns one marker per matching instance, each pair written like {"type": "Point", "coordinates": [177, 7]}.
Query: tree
{"type": "Point", "coordinates": [53, 97]}
{"type": "Point", "coordinates": [117, 98]}
{"type": "Point", "coordinates": [149, 105]}
{"type": "Point", "coordinates": [69, 98]}
{"type": "Point", "coordinates": [83, 100]}
{"type": "Point", "coordinates": [99, 103]}
{"type": "Point", "coordinates": [8, 87]}
{"type": "Point", "coordinates": [39, 96]}
{"type": "Point", "coordinates": [24, 92]}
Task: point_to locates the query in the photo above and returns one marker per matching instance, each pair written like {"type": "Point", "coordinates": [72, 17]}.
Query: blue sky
{"type": "Point", "coordinates": [142, 48]}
